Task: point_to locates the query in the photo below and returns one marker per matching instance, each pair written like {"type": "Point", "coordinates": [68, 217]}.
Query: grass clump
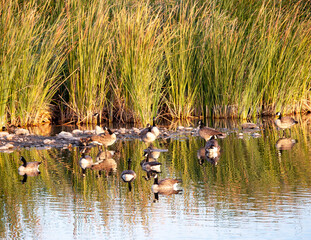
{"type": "Point", "coordinates": [138, 71]}
{"type": "Point", "coordinates": [130, 61]}
{"type": "Point", "coordinates": [89, 35]}
{"type": "Point", "coordinates": [32, 58]}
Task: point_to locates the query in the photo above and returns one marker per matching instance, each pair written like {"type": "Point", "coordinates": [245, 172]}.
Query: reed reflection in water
{"type": "Point", "coordinates": [257, 189]}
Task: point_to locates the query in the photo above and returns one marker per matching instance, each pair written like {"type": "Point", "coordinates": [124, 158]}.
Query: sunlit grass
{"type": "Point", "coordinates": [88, 61]}
{"type": "Point", "coordinates": [32, 58]}
{"type": "Point", "coordinates": [130, 61]}
{"type": "Point", "coordinates": [138, 71]}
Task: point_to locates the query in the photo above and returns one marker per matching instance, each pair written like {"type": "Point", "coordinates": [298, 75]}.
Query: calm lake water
{"type": "Point", "coordinates": [255, 191]}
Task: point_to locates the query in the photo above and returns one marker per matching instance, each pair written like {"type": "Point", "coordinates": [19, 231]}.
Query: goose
{"type": "Point", "coordinates": [128, 175]}
{"type": "Point", "coordinates": [147, 135]}
{"type": "Point", "coordinates": [150, 165]}
{"type": "Point", "coordinates": [85, 161]}
{"type": "Point", "coordinates": [284, 122]}
{"type": "Point", "coordinates": [105, 139]}
{"type": "Point", "coordinates": [206, 132]}
{"type": "Point", "coordinates": [28, 167]}
{"type": "Point", "coordinates": [108, 165]}
{"type": "Point", "coordinates": [165, 186]}
{"type": "Point", "coordinates": [212, 148]}
{"type": "Point", "coordinates": [154, 129]}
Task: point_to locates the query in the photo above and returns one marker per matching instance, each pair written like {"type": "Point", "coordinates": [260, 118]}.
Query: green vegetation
{"type": "Point", "coordinates": [132, 60]}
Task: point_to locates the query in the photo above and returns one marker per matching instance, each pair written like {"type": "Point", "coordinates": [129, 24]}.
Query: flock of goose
{"type": "Point", "coordinates": [104, 138]}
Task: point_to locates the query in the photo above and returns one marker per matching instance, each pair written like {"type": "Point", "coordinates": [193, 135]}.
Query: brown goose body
{"type": "Point", "coordinates": [102, 155]}
{"type": "Point", "coordinates": [108, 165]}
{"type": "Point", "coordinates": [28, 167]}
{"type": "Point", "coordinates": [154, 152]}
{"type": "Point", "coordinates": [147, 135]}
{"type": "Point", "coordinates": [284, 122]}
{"type": "Point", "coordinates": [106, 139]}
{"type": "Point", "coordinates": [249, 125]}
{"type": "Point", "coordinates": [206, 132]}
{"type": "Point", "coordinates": [165, 186]}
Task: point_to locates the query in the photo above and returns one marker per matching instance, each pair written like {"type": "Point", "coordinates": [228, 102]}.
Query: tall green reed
{"type": "Point", "coordinates": [257, 66]}
{"type": "Point", "coordinates": [89, 59]}
{"type": "Point", "coordinates": [183, 59]}
{"type": "Point", "coordinates": [133, 60]}
{"type": "Point", "coordinates": [32, 59]}
{"type": "Point", "coordinates": [138, 73]}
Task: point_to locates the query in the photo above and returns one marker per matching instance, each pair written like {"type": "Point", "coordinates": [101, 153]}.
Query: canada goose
{"type": "Point", "coordinates": [85, 161]}
{"type": "Point", "coordinates": [207, 133]}
{"type": "Point", "coordinates": [128, 175]}
{"type": "Point", "coordinates": [28, 167]}
{"type": "Point", "coordinates": [284, 122]}
{"type": "Point", "coordinates": [150, 165]}
{"type": "Point", "coordinates": [154, 129]}
{"type": "Point", "coordinates": [108, 165]}
{"type": "Point", "coordinates": [154, 152]}
{"type": "Point", "coordinates": [147, 135]}
{"type": "Point", "coordinates": [285, 143]}
{"type": "Point", "coordinates": [165, 186]}
{"type": "Point", "coordinates": [105, 139]}
{"type": "Point", "coordinates": [212, 148]}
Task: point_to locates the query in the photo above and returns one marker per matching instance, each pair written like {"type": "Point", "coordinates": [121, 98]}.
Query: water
{"type": "Point", "coordinates": [255, 191]}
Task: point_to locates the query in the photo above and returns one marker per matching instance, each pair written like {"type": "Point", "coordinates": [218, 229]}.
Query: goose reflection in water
{"type": "Point", "coordinates": [28, 174]}
{"type": "Point", "coordinates": [153, 151]}
{"type": "Point", "coordinates": [85, 160]}
{"type": "Point", "coordinates": [210, 152]}
{"type": "Point", "coordinates": [150, 166]}
{"type": "Point", "coordinates": [167, 187]}
{"type": "Point", "coordinates": [285, 144]}
{"type": "Point", "coordinates": [109, 166]}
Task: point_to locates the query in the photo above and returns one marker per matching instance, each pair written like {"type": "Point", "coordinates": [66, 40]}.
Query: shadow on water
{"type": "Point", "coordinates": [262, 177]}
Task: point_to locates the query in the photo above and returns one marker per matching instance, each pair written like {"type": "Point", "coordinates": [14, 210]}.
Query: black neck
{"type": "Point", "coordinates": [156, 180]}
{"type": "Point", "coordinates": [129, 162]}
{"type": "Point", "coordinates": [147, 157]}
{"type": "Point", "coordinates": [24, 161]}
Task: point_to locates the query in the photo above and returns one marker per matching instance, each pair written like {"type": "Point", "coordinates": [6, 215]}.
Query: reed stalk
{"type": "Point", "coordinates": [31, 64]}
{"type": "Point", "coordinates": [138, 74]}
{"type": "Point", "coordinates": [89, 59]}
